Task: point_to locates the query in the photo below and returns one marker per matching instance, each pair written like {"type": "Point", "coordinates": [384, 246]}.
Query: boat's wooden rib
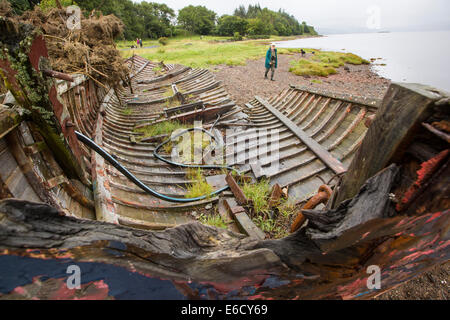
{"type": "Point", "coordinates": [146, 103]}
{"type": "Point", "coordinates": [317, 137]}
{"type": "Point", "coordinates": [318, 134]}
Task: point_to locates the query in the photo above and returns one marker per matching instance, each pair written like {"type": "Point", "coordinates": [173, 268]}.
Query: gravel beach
{"type": "Point", "coordinates": [244, 82]}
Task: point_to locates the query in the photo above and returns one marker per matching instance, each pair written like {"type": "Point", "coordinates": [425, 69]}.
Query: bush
{"type": "Point", "coordinates": [163, 40]}
{"type": "Point", "coordinates": [237, 36]}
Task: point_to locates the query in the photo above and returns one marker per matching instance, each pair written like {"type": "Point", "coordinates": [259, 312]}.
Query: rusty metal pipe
{"type": "Point", "coordinates": [322, 196]}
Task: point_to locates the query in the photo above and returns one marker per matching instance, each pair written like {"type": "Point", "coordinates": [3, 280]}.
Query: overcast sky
{"type": "Point", "coordinates": [393, 15]}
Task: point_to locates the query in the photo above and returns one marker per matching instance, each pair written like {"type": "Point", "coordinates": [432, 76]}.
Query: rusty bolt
{"type": "Point", "coordinates": [322, 196]}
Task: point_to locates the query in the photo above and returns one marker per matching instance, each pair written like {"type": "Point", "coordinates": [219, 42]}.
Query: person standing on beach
{"type": "Point", "coordinates": [271, 61]}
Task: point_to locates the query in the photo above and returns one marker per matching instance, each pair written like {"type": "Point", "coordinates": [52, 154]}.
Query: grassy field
{"type": "Point", "coordinates": [201, 53]}
{"type": "Point", "coordinates": [210, 51]}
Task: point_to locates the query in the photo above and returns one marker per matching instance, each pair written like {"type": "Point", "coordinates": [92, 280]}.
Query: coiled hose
{"type": "Point", "coordinates": [105, 155]}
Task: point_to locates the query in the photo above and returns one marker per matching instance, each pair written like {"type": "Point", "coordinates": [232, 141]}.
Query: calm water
{"type": "Point", "coordinates": [419, 57]}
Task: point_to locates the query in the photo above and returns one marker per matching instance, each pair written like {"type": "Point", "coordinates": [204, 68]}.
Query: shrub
{"type": "Point", "coordinates": [163, 40]}
{"type": "Point", "coordinates": [237, 36]}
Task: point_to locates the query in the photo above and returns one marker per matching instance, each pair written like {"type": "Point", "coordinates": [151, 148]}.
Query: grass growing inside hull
{"type": "Point", "coordinates": [278, 226]}
{"type": "Point", "coordinates": [188, 146]}
{"type": "Point", "coordinates": [274, 221]}
{"type": "Point", "coordinates": [171, 103]}
{"type": "Point", "coordinates": [165, 127]}
{"type": "Point", "coordinates": [258, 193]}
{"type": "Point", "coordinates": [213, 220]}
{"type": "Point", "coordinates": [127, 111]}
{"type": "Point", "coordinates": [199, 187]}
{"type": "Point", "coordinates": [168, 93]}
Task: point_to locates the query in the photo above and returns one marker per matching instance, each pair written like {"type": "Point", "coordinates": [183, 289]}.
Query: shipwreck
{"type": "Point", "coordinates": [81, 184]}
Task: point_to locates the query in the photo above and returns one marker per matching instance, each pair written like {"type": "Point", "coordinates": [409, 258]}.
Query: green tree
{"type": "Point", "coordinates": [228, 25]}
{"type": "Point", "coordinates": [241, 12]}
{"type": "Point", "coordinates": [156, 18]}
{"type": "Point", "coordinates": [253, 11]}
{"type": "Point", "coordinates": [263, 21]}
{"type": "Point", "coordinates": [141, 20]}
{"type": "Point", "coordinates": [305, 27]}
{"type": "Point", "coordinates": [19, 6]}
{"type": "Point", "coordinates": [259, 27]}
{"type": "Point", "coordinates": [197, 19]}
{"type": "Point", "coordinates": [50, 4]}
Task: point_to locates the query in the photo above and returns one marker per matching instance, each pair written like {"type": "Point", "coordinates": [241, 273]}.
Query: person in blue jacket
{"type": "Point", "coordinates": [271, 61]}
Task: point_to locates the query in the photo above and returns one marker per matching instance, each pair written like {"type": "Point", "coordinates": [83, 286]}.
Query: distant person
{"type": "Point", "coordinates": [271, 61]}
{"type": "Point", "coordinates": [137, 42]}
{"type": "Point", "coordinates": [140, 42]}
{"type": "Point", "coordinates": [303, 52]}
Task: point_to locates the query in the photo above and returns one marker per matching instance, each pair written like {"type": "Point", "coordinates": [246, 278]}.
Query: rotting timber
{"type": "Point", "coordinates": [388, 162]}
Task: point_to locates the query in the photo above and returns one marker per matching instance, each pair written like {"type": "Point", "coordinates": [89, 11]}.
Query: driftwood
{"type": "Point", "coordinates": [303, 264]}
{"type": "Point", "coordinates": [398, 122]}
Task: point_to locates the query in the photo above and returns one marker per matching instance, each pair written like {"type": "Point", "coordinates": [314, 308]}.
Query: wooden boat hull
{"type": "Point", "coordinates": [75, 206]}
